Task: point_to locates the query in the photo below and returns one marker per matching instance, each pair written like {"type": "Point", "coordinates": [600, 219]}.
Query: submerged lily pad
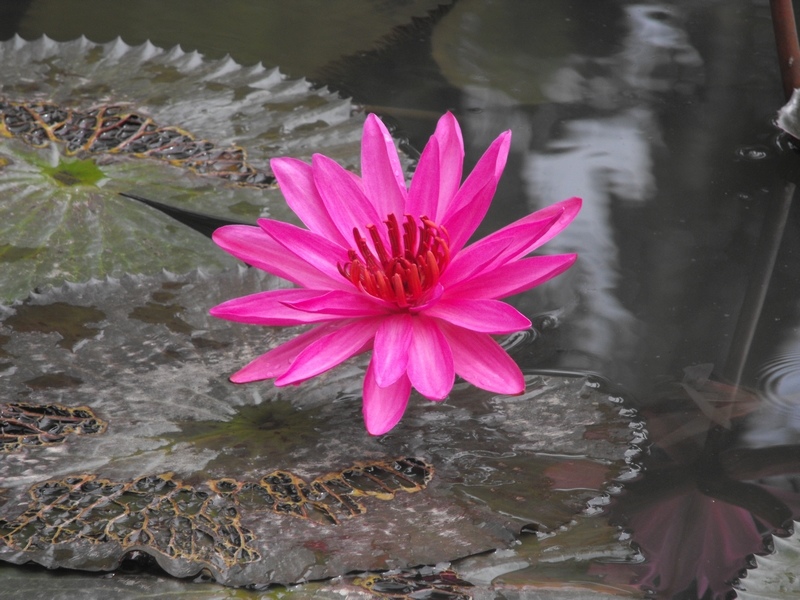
{"type": "Point", "coordinates": [514, 50]}
{"type": "Point", "coordinates": [81, 122]}
{"type": "Point", "coordinates": [480, 466]}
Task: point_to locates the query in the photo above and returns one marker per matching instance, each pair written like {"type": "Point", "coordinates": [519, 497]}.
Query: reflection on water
{"type": "Point", "coordinates": [780, 380]}
{"type": "Point", "coordinates": [706, 504]}
{"type": "Point", "coordinates": [601, 140]}
{"type": "Point", "coordinates": [649, 133]}
{"type": "Point", "coordinates": [658, 114]}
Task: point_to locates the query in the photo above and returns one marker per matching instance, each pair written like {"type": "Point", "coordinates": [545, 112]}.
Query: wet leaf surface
{"type": "Point", "coordinates": [82, 122]}
{"type": "Point", "coordinates": [155, 369]}
{"type": "Point", "coordinates": [774, 575]}
{"type": "Point", "coordinates": [566, 563]}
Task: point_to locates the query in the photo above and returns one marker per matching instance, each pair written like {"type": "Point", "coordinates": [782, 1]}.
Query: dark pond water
{"type": "Point", "coordinates": [660, 115]}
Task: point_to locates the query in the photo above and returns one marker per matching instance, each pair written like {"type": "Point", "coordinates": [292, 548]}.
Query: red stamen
{"type": "Point", "coordinates": [410, 236]}
{"type": "Point", "coordinates": [368, 281]}
{"type": "Point", "coordinates": [383, 256]}
{"type": "Point", "coordinates": [418, 254]}
{"type": "Point", "coordinates": [399, 291]}
{"type": "Point", "coordinates": [433, 268]}
{"type": "Point", "coordinates": [383, 286]}
{"type": "Point", "coordinates": [394, 235]}
{"type": "Point", "coordinates": [413, 281]}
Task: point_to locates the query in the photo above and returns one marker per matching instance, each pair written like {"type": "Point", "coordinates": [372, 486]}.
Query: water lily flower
{"type": "Point", "coordinates": [384, 267]}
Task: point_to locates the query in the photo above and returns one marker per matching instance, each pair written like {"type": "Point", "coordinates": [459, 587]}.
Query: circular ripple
{"type": "Point", "coordinates": [780, 380]}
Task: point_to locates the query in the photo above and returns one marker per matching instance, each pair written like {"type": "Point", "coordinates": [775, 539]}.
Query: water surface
{"type": "Point", "coordinates": [660, 115]}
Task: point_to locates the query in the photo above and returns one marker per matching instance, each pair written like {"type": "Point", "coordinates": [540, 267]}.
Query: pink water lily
{"type": "Point", "coordinates": [384, 267]}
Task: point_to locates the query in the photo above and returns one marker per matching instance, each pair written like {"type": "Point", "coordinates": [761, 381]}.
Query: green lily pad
{"type": "Point", "coordinates": [271, 484]}
{"type": "Point", "coordinates": [81, 122]}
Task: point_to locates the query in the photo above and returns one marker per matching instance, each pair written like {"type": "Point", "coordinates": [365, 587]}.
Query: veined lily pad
{"type": "Point", "coordinates": [271, 484]}
{"type": "Point", "coordinates": [81, 122]}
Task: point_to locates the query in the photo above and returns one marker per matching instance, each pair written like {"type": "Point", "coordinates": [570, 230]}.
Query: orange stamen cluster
{"type": "Point", "coordinates": [412, 265]}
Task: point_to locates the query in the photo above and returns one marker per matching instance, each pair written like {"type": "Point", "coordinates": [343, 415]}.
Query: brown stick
{"type": "Point", "coordinates": [788, 48]}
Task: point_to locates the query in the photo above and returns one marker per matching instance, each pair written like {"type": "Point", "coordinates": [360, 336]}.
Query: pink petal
{"type": "Point", "coordinates": [272, 308]}
{"type": "Point", "coordinates": [472, 200]}
{"type": "Point", "coordinates": [423, 194]}
{"type": "Point", "coordinates": [344, 199]}
{"type": "Point", "coordinates": [513, 278]}
{"type": "Point", "coordinates": [482, 362]}
{"type": "Point", "coordinates": [259, 250]}
{"type": "Point", "coordinates": [383, 407]}
{"type": "Point", "coordinates": [296, 181]}
{"type": "Point", "coordinates": [496, 249]}
{"type": "Point", "coordinates": [485, 316]}
{"type": "Point", "coordinates": [311, 248]}
{"type": "Point", "coordinates": [438, 173]}
{"type": "Point", "coordinates": [341, 303]}
{"type": "Point", "coordinates": [430, 298]}
{"type": "Point", "coordinates": [327, 352]}
{"type": "Point", "coordinates": [566, 210]}
{"type": "Point", "coordinates": [390, 352]}
{"type": "Point", "coordinates": [451, 160]}
{"type": "Point", "coordinates": [278, 360]}
{"type": "Point", "coordinates": [381, 171]}
{"type": "Point", "coordinates": [430, 360]}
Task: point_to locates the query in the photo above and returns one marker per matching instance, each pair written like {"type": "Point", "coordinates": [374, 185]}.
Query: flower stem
{"type": "Point", "coordinates": [785, 28]}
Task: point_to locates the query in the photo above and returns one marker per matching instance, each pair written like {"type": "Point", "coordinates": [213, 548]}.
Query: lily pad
{"type": "Point", "coordinates": [250, 31]}
{"type": "Point", "coordinates": [427, 582]}
{"type": "Point", "coordinates": [774, 575]}
{"type": "Point", "coordinates": [565, 565]}
{"type": "Point", "coordinates": [272, 484]}
{"type": "Point", "coordinates": [81, 122]}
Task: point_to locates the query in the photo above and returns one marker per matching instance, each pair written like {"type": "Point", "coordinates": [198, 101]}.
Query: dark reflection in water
{"type": "Point", "coordinates": [665, 130]}
{"type": "Point", "coordinates": [658, 114]}
{"type": "Point", "coordinates": [706, 503]}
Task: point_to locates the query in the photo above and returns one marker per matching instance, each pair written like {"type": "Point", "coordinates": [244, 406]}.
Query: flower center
{"type": "Point", "coordinates": [418, 254]}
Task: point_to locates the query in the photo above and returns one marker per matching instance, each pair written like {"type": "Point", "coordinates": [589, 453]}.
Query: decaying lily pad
{"type": "Point", "coordinates": [81, 122]}
{"type": "Point", "coordinates": [114, 129]}
{"type": "Point", "coordinates": [194, 525]}
{"type": "Point", "coordinates": [154, 366]}
{"type": "Point", "coordinates": [24, 424]}
{"type": "Point", "coordinates": [413, 584]}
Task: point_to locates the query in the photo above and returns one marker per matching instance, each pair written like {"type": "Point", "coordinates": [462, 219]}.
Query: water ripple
{"type": "Point", "coordinates": [780, 380]}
